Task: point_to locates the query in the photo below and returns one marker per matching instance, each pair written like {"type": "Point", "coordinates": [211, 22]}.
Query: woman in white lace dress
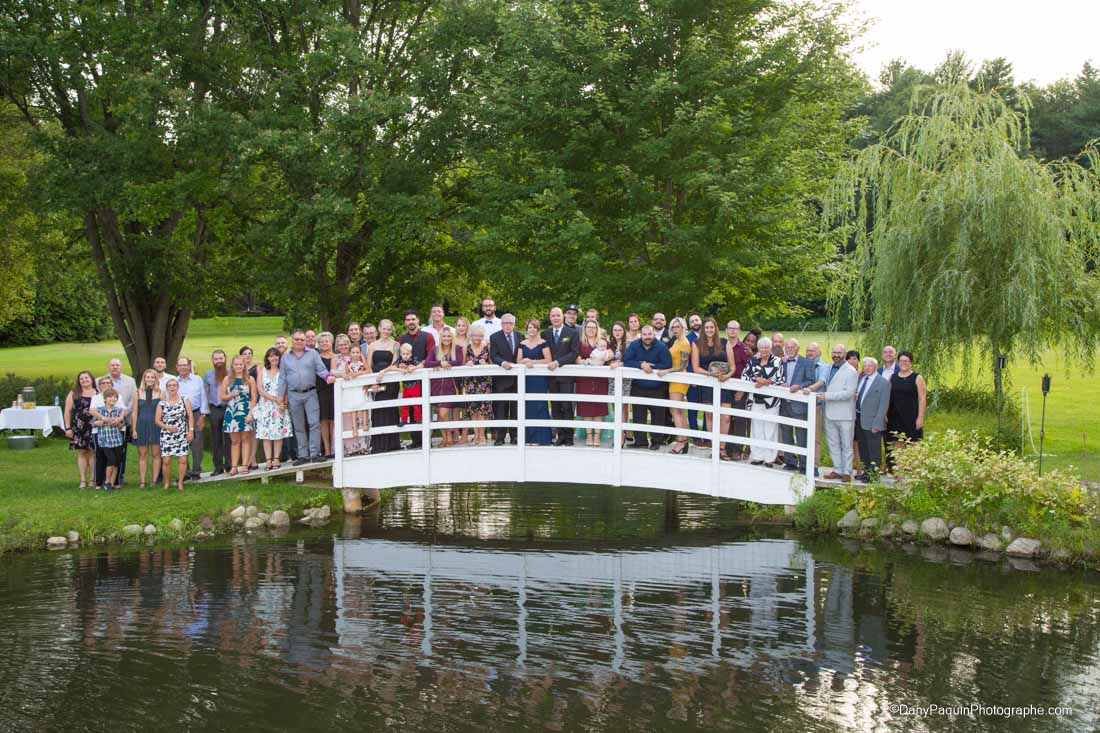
{"type": "Point", "coordinates": [272, 419]}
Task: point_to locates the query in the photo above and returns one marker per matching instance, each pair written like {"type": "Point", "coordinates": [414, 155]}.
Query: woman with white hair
{"type": "Point", "coordinates": [764, 370]}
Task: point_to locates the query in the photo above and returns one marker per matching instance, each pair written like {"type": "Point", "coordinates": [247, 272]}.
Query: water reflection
{"type": "Point", "coordinates": [562, 608]}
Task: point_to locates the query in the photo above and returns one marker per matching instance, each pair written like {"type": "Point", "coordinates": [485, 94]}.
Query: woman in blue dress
{"type": "Point", "coordinates": [534, 350]}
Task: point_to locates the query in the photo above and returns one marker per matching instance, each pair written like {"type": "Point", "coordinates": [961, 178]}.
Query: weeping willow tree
{"type": "Point", "coordinates": [961, 244]}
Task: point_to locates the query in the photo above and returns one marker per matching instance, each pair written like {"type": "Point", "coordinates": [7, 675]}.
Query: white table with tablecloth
{"type": "Point", "coordinates": [43, 418]}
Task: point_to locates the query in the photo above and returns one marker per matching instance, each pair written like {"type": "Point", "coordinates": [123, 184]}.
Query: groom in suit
{"type": "Point", "coordinates": [502, 352]}
{"type": "Point", "coordinates": [565, 346]}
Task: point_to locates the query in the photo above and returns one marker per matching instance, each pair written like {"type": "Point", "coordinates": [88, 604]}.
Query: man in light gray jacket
{"type": "Point", "coordinates": [872, 400]}
{"type": "Point", "coordinates": [841, 381]}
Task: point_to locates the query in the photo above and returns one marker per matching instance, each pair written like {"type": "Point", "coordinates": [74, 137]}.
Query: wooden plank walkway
{"type": "Point", "coordinates": [262, 474]}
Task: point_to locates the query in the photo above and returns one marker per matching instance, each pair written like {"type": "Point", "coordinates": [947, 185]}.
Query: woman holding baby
{"type": "Point", "coordinates": [593, 351]}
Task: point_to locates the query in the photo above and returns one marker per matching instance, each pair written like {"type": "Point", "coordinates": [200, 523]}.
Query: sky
{"type": "Point", "coordinates": [1044, 40]}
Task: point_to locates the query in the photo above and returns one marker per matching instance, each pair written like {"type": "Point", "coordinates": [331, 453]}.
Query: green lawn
{"type": "Point", "coordinates": [1073, 408]}
{"type": "Point", "coordinates": [39, 498]}
{"type": "Point", "coordinates": [205, 335]}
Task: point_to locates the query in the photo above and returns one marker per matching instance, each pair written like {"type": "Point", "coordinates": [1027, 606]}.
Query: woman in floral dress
{"type": "Point", "coordinates": [477, 354]}
{"type": "Point", "coordinates": [271, 418]}
{"type": "Point", "coordinates": [238, 392]}
{"type": "Point", "coordinates": [78, 416]}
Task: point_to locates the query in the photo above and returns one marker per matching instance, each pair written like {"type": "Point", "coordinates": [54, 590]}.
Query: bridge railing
{"type": "Point", "coordinates": [351, 397]}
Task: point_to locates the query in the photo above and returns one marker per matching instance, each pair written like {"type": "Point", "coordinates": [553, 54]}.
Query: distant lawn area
{"type": "Point", "coordinates": [1073, 407]}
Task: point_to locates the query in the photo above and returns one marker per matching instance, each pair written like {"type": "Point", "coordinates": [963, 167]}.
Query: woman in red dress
{"type": "Point", "coordinates": [592, 411]}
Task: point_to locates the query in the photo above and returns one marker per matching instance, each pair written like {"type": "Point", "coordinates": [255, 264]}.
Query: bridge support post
{"type": "Point", "coordinates": [353, 501]}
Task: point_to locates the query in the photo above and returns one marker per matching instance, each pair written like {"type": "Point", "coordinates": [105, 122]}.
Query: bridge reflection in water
{"type": "Point", "coordinates": [699, 472]}
{"type": "Point", "coordinates": [729, 601]}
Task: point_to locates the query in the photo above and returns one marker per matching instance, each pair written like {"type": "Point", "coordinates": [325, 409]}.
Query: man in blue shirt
{"type": "Point", "coordinates": [649, 355]}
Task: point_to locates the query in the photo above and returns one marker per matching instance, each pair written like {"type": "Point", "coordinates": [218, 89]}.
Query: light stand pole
{"type": "Point", "coordinates": [999, 362]}
{"type": "Point", "coordinates": [1043, 421]}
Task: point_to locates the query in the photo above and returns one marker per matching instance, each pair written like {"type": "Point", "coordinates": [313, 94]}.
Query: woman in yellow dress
{"type": "Point", "coordinates": [680, 348]}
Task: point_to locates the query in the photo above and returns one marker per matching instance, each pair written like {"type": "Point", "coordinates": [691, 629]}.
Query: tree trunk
{"type": "Point", "coordinates": [148, 324]}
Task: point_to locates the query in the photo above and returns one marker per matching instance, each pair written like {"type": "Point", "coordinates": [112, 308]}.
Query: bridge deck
{"type": "Point", "coordinates": [262, 474]}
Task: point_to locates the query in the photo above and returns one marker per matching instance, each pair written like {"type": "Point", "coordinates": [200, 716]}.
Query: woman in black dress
{"type": "Point", "coordinates": [326, 395]}
{"type": "Point", "coordinates": [908, 401]}
{"type": "Point", "coordinates": [381, 356]}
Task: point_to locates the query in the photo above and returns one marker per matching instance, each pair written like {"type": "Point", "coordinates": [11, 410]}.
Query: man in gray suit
{"type": "Point", "coordinates": [840, 413]}
{"type": "Point", "coordinates": [299, 369]}
{"type": "Point", "coordinates": [872, 400]}
{"type": "Point", "coordinates": [798, 373]}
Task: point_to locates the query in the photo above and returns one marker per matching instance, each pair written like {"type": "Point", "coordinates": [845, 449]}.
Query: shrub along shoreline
{"type": "Point", "coordinates": [957, 489]}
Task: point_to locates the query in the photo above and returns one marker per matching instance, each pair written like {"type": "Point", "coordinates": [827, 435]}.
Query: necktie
{"type": "Point", "coordinates": [862, 388]}
{"type": "Point", "coordinates": [511, 343]}
{"type": "Point", "coordinates": [557, 334]}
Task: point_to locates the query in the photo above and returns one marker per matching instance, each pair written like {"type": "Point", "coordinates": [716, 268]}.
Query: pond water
{"type": "Point", "coordinates": [557, 607]}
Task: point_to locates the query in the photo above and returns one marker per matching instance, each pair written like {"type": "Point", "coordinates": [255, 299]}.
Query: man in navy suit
{"type": "Point", "coordinates": [799, 373]}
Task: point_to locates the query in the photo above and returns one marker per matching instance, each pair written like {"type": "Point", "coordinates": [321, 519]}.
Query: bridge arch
{"type": "Point", "coordinates": [699, 471]}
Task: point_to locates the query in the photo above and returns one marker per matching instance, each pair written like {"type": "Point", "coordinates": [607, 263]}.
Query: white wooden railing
{"type": "Point", "coordinates": [417, 465]}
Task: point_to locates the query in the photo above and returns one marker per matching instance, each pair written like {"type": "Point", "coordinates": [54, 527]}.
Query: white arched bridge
{"type": "Point", "coordinates": [698, 471]}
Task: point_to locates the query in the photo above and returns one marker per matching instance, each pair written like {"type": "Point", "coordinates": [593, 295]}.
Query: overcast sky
{"type": "Point", "coordinates": [1044, 40]}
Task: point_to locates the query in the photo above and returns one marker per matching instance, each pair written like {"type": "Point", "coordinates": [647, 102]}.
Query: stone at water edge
{"type": "Point", "coordinates": [73, 536]}
{"type": "Point", "coordinates": [265, 518]}
{"type": "Point", "coordinates": [238, 513]}
{"type": "Point", "coordinates": [991, 542]}
{"type": "Point", "coordinates": [910, 527]}
{"type": "Point", "coordinates": [962, 536]}
{"type": "Point", "coordinates": [1024, 547]}
{"type": "Point", "coordinates": [253, 523]}
{"type": "Point", "coordinates": [131, 530]}
{"type": "Point", "coordinates": [934, 528]}
{"type": "Point", "coordinates": [150, 529]}
{"type": "Point", "coordinates": [279, 518]}
{"type": "Point", "coordinates": [849, 520]}
{"type": "Point", "coordinates": [868, 524]}
{"type": "Point", "coordinates": [177, 525]}
{"type": "Point", "coordinates": [888, 530]}
{"type": "Point", "coordinates": [56, 543]}
{"type": "Point", "coordinates": [324, 512]}
{"type": "Point", "coordinates": [251, 511]}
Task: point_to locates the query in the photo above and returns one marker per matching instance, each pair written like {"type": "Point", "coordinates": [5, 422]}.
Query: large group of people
{"type": "Point", "coordinates": [283, 406]}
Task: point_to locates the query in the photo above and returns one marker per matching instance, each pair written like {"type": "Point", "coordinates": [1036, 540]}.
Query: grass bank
{"type": "Point", "coordinates": [39, 498]}
{"type": "Point", "coordinates": [1072, 418]}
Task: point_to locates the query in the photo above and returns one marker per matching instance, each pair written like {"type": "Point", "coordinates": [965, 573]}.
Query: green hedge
{"type": "Point", "coordinates": [46, 387]}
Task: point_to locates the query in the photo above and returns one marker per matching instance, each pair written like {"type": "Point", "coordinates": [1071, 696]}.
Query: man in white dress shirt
{"type": "Point", "coordinates": [489, 322]}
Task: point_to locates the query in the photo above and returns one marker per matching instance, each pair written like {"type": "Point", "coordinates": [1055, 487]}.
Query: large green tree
{"type": "Point", "coordinates": [656, 154]}
{"type": "Point", "coordinates": [964, 244]}
{"type": "Point", "coordinates": [126, 102]}
{"type": "Point", "coordinates": [355, 116]}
